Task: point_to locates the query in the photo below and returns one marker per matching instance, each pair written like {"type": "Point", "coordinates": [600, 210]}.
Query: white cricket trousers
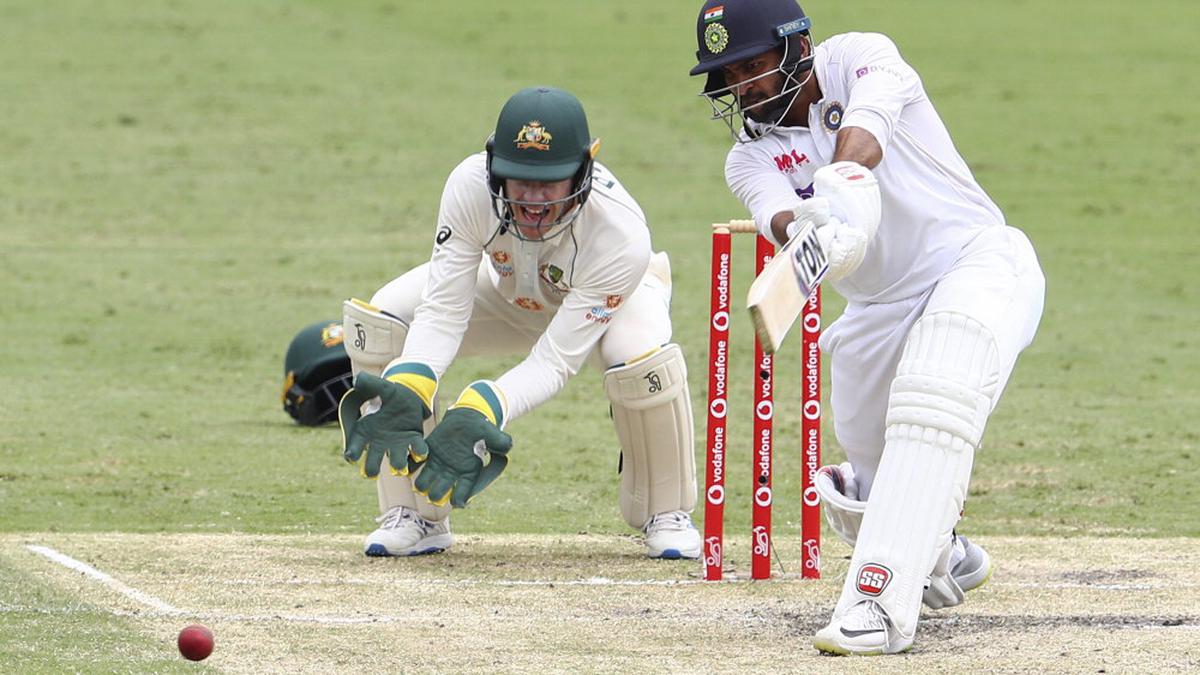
{"type": "Point", "coordinates": [996, 280]}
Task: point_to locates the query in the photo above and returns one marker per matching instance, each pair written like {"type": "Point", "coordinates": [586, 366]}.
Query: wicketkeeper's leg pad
{"type": "Point", "coordinates": [839, 496]}
{"type": "Point", "coordinates": [372, 337]}
{"type": "Point", "coordinates": [652, 412]}
{"type": "Point", "coordinates": [940, 400]}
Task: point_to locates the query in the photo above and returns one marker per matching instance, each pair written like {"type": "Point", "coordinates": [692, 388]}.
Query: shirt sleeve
{"type": "Point", "coordinates": [764, 190]}
{"type": "Point", "coordinates": [440, 321]}
{"type": "Point", "coordinates": [577, 326]}
{"type": "Point", "coordinates": [880, 85]}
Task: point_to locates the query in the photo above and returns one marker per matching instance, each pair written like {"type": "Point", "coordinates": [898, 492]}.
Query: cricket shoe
{"type": "Point", "coordinates": [864, 630]}
{"type": "Point", "coordinates": [671, 535]}
{"type": "Point", "coordinates": [970, 568]}
{"type": "Point", "coordinates": [403, 532]}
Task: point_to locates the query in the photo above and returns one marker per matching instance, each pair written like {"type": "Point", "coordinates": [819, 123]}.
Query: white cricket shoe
{"type": "Point", "coordinates": [671, 535]}
{"type": "Point", "coordinates": [403, 532]}
{"type": "Point", "coordinates": [970, 567]}
{"type": "Point", "coordinates": [864, 630]}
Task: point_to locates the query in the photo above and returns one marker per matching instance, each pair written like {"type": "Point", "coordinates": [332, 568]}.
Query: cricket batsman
{"type": "Point", "coordinates": [941, 294]}
{"type": "Point", "coordinates": [538, 250]}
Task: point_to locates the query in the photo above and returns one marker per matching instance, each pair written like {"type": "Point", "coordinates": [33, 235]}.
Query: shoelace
{"type": "Point", "coordinates": [671, 520]}
{"type": "Point", "coordinates": [868, 619]}
{"type": "Point", "coordinates": [395, 516]}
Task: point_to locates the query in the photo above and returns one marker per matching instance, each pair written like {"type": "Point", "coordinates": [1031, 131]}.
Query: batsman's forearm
{"type": "Point", "coordinates": [856, 144]}
{"type": "Point", "coordinates": [779, 225]}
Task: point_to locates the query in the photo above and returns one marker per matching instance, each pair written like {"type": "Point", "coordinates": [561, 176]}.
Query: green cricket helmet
{"type": "Point", "coordinates": [541, 135]}
{"type": "Point", "coordinates": [316, 374]}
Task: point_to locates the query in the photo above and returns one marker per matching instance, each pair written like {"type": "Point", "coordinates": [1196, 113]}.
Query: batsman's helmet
{"type": "Point", "coordinates": [541, 135]}
{"type": "Point", "coordinates": [316, 374]}
{"type": "Point", "coordinates": [729, 31]}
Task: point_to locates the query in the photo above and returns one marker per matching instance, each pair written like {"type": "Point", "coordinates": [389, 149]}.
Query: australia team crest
{"type": "Point", "coordinates": [533, 136]}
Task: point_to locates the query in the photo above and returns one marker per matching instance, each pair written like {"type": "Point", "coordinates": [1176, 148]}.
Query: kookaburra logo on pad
{"type": "Point", "coordinates": [654, 381]}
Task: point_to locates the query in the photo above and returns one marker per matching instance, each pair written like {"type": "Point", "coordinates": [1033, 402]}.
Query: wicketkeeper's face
{"type": "Point", "coordinates": [537, 205]}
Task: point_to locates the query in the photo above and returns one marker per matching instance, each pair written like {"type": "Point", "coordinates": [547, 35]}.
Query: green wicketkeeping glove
{"type": "Point", "coordinates": [468, 434]}
{"type": "Point", "coordinates": [396, 429]}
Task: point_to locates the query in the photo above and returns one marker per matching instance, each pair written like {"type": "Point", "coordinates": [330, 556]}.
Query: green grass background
{"type": "Point", "coordinates": [183, 185]}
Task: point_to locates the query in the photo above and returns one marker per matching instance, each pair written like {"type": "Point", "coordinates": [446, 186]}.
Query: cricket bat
{"type": "Point", "coordinates": [778, 295]}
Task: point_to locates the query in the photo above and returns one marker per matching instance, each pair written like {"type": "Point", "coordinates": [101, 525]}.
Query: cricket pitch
{"type": "Point", "coordinates": [525, 603]}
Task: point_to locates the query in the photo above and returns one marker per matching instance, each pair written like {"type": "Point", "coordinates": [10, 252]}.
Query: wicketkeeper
{"type": "Point", "coordinates": [941, 295]}
{"type": "Point", "coordinates": [538, 249]}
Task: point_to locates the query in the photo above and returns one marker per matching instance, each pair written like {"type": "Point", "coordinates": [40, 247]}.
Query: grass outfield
{"type": "Point", "coordinates": [184, 185]}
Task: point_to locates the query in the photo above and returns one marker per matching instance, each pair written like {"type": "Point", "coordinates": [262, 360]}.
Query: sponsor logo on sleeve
{"type": "Point", "coordinates": [600, 315]}
{"type": "Point", "coordinates": [867, 70]}
{"type": "Point", "coordinates": [443, 234]}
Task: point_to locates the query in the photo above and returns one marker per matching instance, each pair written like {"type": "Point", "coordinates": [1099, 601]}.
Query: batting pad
{"type": "Point", "coordinates": [652, 413]}
{"type": "Point", "coordinates": [372, 337]}
{"type": "Point", "coordinates": [938, 407]}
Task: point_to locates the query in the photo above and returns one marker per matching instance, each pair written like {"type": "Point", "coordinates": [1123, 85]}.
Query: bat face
{"type": "Point", "coordinates": [778, 295]}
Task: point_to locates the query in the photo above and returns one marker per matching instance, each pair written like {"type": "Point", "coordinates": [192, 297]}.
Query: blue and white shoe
{"type": "Point", "coordinates": [402, 532]}
{"type": "Point", "coordinates": [671, 535]}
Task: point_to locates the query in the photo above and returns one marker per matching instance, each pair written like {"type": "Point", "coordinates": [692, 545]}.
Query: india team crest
{"type": "Point", "coordinates": [533, 136]}
{"type": "Point", "coordinates": [831, 117]}
{"type": "Point", "coordinates": [716, 38]}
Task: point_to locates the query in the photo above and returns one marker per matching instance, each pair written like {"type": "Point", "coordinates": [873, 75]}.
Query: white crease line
{"type": "Point", "coordinates": [604, 581]}
{"type": "Point", "coordinates": [326, 619]}
{"type": "Point", "coordinates": [1098, 587]}
{"type": "Point", "coordinates": [132, 593]}
{"type": "Point", "coordinates": [593, 581]}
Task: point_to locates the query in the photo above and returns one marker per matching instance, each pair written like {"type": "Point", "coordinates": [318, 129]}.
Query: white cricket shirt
{"type": "Point", "coordinates": [581, 277]}
{"type": "Point", "coordinates": [932, 205]}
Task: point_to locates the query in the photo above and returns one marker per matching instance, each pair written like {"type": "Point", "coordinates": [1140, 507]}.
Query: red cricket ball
{"type": "Point", "coordinates": [195, 642]}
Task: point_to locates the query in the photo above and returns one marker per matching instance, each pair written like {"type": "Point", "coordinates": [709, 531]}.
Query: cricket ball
{"type": "Point", "coordinates": [195, 642]}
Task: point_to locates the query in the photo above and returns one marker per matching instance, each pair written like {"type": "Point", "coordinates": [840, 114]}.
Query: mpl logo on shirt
{"type": "Point", "coordinates": [873, 578]}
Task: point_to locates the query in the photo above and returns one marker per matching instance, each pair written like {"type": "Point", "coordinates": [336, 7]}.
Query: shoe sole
{"type": "Point", "coordinates": [431, 545]}
{"type": "Point", "coordinates": [673, 554]}
{"type": "Point", "coordinates": [829, 648]}
{"type": "Point", "coordinates": [380, 551]}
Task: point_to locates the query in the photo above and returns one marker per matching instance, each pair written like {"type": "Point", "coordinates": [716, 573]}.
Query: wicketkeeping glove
{"type": "Point", "coordinates": [469, 433]}
{"type": "Point", "coordinates": [396, 428]}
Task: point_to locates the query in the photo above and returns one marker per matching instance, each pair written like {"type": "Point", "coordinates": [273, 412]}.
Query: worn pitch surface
{"type": "Point", "coordinates": [586, 603]}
